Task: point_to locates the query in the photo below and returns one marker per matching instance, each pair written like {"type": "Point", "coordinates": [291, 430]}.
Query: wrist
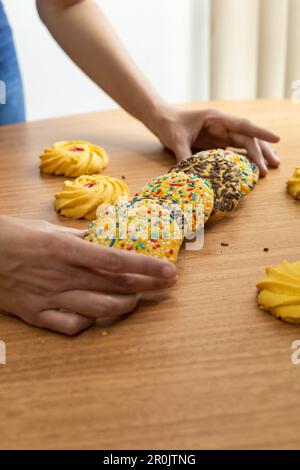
{"type": "Point", "coordinates": [158, 115]}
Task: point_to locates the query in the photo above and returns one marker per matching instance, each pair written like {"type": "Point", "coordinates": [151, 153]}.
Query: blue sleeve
{"type": "Point", "coordinates": [12, 109]}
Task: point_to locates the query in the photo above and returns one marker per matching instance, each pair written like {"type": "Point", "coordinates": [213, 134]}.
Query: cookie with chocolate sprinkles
{"type": "Point", "coordinates": [250, 171]}
{"type": "Point", "coordinates": [224, 176]}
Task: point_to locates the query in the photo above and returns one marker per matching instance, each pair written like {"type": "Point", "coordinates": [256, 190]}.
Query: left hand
{"type": "Point", "coordinates": [181, 131]}
{"type": "Point", "coordinates": [51, 278]}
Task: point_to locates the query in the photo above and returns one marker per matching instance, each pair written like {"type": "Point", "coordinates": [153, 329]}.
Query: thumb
{"type": "Point", "coordinates": [182, 151]}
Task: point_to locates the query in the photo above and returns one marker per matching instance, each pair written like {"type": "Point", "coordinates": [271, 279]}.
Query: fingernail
{"type": "Point", "coordinates": [264, 172]}
{"type": "Point", "coordinates": [168, 271]}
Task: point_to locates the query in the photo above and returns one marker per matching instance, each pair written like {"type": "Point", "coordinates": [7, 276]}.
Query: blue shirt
{"type": "Point", "coordinates": [11, 89]}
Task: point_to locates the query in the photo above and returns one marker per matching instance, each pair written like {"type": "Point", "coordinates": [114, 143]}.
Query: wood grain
{"type": "Point", "coordinates": [199, 367]}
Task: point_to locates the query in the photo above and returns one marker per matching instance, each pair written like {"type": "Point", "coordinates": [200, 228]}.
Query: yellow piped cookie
{"type": "Point", "coordinates": [73, 158]}
{"type": "Point", "coordinates": [293, 184]}
{"type": "Point", "coordinates": [81, 198]}
{"type": "Point", "coordinates": [279, 292]}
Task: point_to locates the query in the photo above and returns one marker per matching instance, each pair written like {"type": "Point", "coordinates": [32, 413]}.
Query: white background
{"type": "Point", "coordinates": [167, 38]}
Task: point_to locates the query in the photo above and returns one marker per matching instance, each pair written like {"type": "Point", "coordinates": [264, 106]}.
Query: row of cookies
{"type": "Point", "coordinates": [210, 184]}
{"type": "Point", "coordinates": [154, 218]}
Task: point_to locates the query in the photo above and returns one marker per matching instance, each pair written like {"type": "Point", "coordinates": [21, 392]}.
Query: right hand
{"type": "Point", "coordinates": [51, 278]}
{"type": "Point", "coordinates": [183, 131]}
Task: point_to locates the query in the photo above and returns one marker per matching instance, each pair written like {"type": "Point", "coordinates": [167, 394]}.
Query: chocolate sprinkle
{"type": "Point", "coordinates": [224, 176]}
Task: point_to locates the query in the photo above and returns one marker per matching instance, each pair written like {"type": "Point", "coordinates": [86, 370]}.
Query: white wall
{"type": "Point", "coordinates": [158, 33]}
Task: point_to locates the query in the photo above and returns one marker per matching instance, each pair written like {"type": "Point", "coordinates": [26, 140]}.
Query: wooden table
{"type": "Point", "coordinates": [201, 368]}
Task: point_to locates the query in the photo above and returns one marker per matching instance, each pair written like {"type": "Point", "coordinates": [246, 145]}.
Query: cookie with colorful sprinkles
{"type": "Point", "coordinates": [185, 190]}
{"type": "Point", "coordinates": [144, 227]}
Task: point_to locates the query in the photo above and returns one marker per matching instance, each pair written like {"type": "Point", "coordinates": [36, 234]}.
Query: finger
{"type": "Point", "coordinates": [97, 305]}
{"type": "Point", "coordinates": [249, 129]}
{"type": "Point", "coordinates": [90, 255]}
{"type": "Point", "coordinates": [135, 283]}
{"type": "Point", "coordinates": [104, 281]}
{"type": "Point", "coordinates": [47, 227]}
{"type": "Point", "coordinates": [66, 323]}
{"type": "Point", "coordinates": [253, 150]}
{"type": "Point", "coordinates": [70, 231]}
{"type": "Point", "coordinates": [182, 151]}
{"type": "Point", "coordinates": [269, 154]}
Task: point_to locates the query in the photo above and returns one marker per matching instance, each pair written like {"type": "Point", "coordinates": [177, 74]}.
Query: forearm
{"type": "Point", "coordinates": [83, 31]}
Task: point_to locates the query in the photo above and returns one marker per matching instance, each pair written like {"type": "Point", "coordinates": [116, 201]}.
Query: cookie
{"type": "Point", "coordinates": [81, 198]}
{"type": "Point", "coordinates": [279, 292]}
{"type": "Point", "coordinates": [293, 184]}
{"type": "Point", "coordinates": [188, 191]}
{"type": "Point", "coordinates": [176, 211]}
{"type": "Point", "coordinates": [250, 171]}
{"type": "Point", "coordinates": [74, 158]}
{"type": "Point", "coordinates": [143, 227]}
{"type": "Point", "coordinates": [223, 175]}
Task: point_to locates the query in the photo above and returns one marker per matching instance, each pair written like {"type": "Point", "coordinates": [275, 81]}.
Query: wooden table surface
{"type": "Point", "coordinates": [199, 366]}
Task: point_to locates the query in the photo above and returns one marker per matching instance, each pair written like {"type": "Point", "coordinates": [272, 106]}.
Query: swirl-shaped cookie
{"type": "Point", "coordinates": [80, 198]}
{"type": "Point", "coordinates": [74, 158]}
{"type": "Point", "coordinates": [185, 190]}
{"type": "Point", "coordinates": [293, 184]}
{"type": "Point", "coordinates": [279, 292]}
{"type": "Point", "coordinates": [142, 227]}
{"type": "Point", "coordinates": [223, 175]}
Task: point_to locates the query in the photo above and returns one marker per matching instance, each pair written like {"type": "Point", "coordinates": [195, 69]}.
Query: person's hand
{"type": "Point", "coordinates": [182, 131]}
{"type": "Point", "coordinates": [51, 278]}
